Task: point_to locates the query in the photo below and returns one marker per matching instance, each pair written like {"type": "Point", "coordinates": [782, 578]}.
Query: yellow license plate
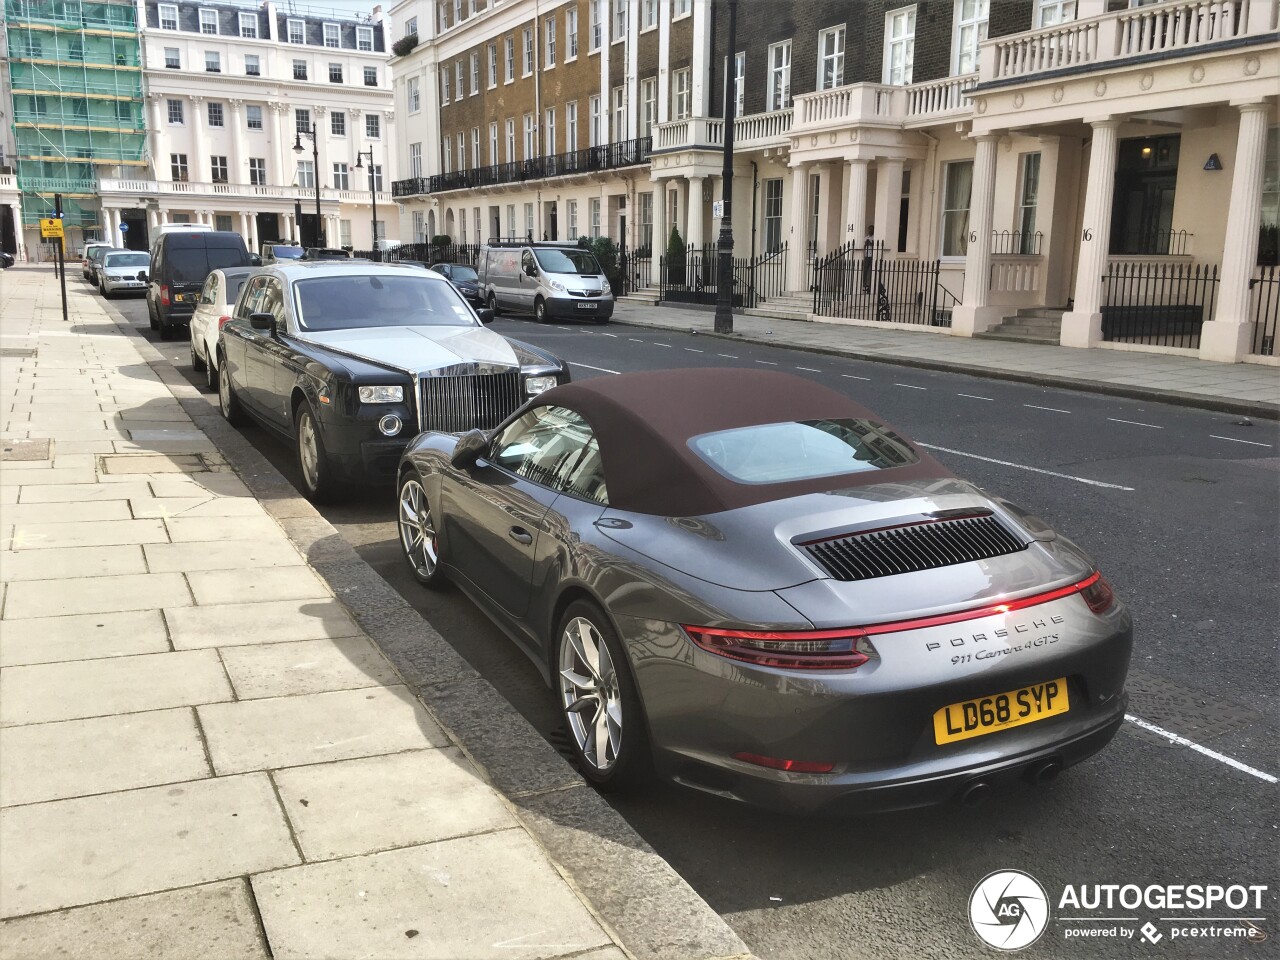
{"type": "Point", "coordinates": [976, 718]}
{"type": "Point", "coordinates": [177, 297]}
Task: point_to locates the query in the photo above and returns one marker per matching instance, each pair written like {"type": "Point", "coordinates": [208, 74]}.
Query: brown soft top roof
{"type": "Point", "coordinates": [643, 422]}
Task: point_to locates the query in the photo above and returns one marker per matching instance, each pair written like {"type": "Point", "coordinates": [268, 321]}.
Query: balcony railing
{"type": "Point", "coordinates": [609, 156]}
{"type": "Point", "coordinates": [1170, 27]}
{"type": "Point", "coordinates": [56, 185]}
{"type": "Point", "coordinates": [911, 105]}
{"type": "Point", "coordinates": [8, 181]}
{"type": "Point", "coordinates": [751, 132]}
{"type": "Point", "coordinates": [236, 190]}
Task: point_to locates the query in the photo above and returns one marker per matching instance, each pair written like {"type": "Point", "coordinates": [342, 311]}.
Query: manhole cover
{"type": "Point", "coordinates": [17, 352]}
{"type": "Point", "coordinates": [24, 450]}
{"type": "Point", "coordinates": [154, 463]}
{"type": "Point", "coordinates": [1184, 711]}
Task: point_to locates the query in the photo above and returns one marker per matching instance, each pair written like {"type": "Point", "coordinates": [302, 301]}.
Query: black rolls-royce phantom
{"type": "Point", "coordinates": [351, 361]}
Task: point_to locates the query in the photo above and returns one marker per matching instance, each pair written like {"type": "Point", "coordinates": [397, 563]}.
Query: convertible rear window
{"type": "Point", "coordinates": [802, 450]}
{"type": "Point", "coordinates": [377, 300]}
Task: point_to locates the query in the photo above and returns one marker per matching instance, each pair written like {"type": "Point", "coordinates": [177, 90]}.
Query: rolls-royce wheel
{"type": "Point", "coordinates": [318, 484]}
{"type": "Point", "coordinates": [418, 537]}
{"type": "Point", "coordinates": [197, 361]}
{"type": "Point", "coordinates": [599, 700]}
{"type": "Point", "coordinates": [227, 402]}
{"type": "Point", "coordinates": [540, 310]}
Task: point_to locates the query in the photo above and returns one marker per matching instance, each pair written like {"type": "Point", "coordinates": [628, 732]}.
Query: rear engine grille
{"type": "Point", "coordinates": [459, 404]}
{"type": "Point", "coordinates": [907, 549]}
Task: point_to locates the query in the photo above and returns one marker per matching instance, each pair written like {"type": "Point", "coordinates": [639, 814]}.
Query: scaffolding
{"type": "Point", "coordinates": [75, 70]}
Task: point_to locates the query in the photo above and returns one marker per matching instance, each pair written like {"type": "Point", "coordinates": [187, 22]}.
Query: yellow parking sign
{"type": "Point", "coordinates": [51, 228]}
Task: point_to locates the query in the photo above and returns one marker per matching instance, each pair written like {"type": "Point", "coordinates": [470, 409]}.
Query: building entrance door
{"type": "Point", "coordinates": [268, 227]}
{"type": "Point", "coordinates": [133, 224]}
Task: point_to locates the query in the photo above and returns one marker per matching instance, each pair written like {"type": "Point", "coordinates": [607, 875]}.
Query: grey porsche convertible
{"type": "Point", "coordinates": [745, 582]}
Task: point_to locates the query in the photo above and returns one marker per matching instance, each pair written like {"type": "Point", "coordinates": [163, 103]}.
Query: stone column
{"type": "Point", "coordinates": [855, 228]}
{"type": "Point", "coordinates": [1227, 337]}
{"type": "Point", "coordinates": [276, 164]}
{"type": "Point", "coordinates": [889, 202]}
{"type": "Point", "coordinates": [160, 137]}
{"type": "Point", "coordinates": [15, 211]}
{"type": "Point", "coordinates": [973, 315]}
{"type": "Point", "coordinates": [244, 232]}
{"type": "Point", "coordinates": [660, 229]}
{"type": "Point", "coordinates": [320, 120]}
{"type": "Point", "coordinates": [238, 175]}
{"type": "Point", "coordinates": [199, 171]}
{"type": "Point", "coordinates": [798, 239]}
{"type": "Point", "coordinates": [696, 211]}
{"type": "Point", "coordinates": [1082, 325]}
{"type": "Point", "coordinates": [153, 221]}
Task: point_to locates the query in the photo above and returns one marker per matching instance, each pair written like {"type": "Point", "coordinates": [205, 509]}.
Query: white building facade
{"type": "Point", "coordinates": [231, 91]}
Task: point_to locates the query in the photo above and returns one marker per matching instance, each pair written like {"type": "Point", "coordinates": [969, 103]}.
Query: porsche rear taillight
{"type": "Point", "coordinates": [164, 295]}
{"type": "Point", "coordinates": [1097, 593]}
{"type": "Point", "coordinates": [790, 766]}
{"type": "Point", "coordinates": [223, 321]}
{"type": "Point", "coordinates": [791, 649]}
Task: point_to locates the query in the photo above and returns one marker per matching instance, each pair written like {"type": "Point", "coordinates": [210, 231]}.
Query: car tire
{"type": "Point", "coordinates": [211, 374]}
{"type": "Point", "coordinates": [612, 754]}
{"type": "Point", "coordinates": [493, 304]}
{"type": "Point", "coordinates": [539, 310]}
{"type": "Point", "coordinates": [313, 463]}
{"type": "Point", "coordinates": [151, 317]}
{"type": "Point", "coordinates": [232, 412]}
{"type": "Point", "coordinates": [197, 361]}
{"type": "Point", "coordinates": [419, 532]}
{"type": "Point", "coordinates": [102, 289]}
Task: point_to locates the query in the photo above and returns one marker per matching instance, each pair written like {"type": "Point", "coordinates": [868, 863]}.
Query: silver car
{"type": "Point", "coordinates": [123, 271]}
{"type": "Point", "coordinates": [551, 281]}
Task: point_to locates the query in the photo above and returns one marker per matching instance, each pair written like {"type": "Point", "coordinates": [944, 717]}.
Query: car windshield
{"type": "Point", "coordinates": [802, 450]}
{"type": "Point", "coordinates": [282, 252]}
{"type": "Point", "coordinates": [127, 259]}
{"type": "Point", "coordinates": [379, 300]}
{"type": "Point", "coordinates": [459, 272]}
{"type": "Point", "coordinates": [567, 261]}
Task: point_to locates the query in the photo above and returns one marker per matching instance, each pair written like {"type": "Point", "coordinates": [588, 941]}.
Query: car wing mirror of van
{"type": "Point", "coordinates": [255, 260]}
{"type": "Point", "coordinates": [485, 315]}
{"type": "Point", "coordinates": [471, 446]}
{"type": "Point", "coordinates": [263, 321]}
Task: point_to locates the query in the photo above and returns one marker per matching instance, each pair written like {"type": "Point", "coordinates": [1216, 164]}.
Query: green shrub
{"type": "Point", "coordinates": [677, 255]}
{"type": "Point", "coordinates": [606, 254]}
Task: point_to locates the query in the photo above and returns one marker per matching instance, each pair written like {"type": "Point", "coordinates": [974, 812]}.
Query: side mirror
{"type": "Point", "coordinates": [263, 321]}
{"type": "Point", "coordinates": [142, 276]}
{"type": "Point", "coordinates": [255, 260]}
{"type": "Point", "coordinates": [468, 449]}
{"type": "Point", "coordinates": [485, 315]}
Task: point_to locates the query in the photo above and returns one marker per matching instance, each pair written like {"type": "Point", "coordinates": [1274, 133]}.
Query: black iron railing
{"type": "Point", "coordinates": [1264, 294]}
{"type": "Point", "coordinates": [861, 283]}
{"type": "Point", "coordinates": [1159, 304]}
{"type": "Point", "coordinates": [428, 253]}
{"type": "Point", "coordinates": [1016, 243]}
{"type": "Point", "coordinates": [693, 276]}
{"type": "Point", "coordinates": [635, 269]}
{"type": "Point", "coordinates": [608, 156]}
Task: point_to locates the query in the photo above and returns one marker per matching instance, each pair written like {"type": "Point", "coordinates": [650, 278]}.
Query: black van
{"type": "Point", "coordinates": [180, 262]}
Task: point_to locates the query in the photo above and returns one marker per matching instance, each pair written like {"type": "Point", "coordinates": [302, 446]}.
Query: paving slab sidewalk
{"type": "Point", "coordinates": [1247, 388]}
{"type": "Point", "coordinates": [202, 751]}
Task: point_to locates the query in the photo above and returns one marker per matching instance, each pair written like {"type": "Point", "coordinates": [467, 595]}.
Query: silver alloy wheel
{"type": "Point", "coordinates": [417, 532]}
{"type": "Point", "coordinates": [224, 391]}
{"type": "Point", "coordinates": [591, 692]}
{"type": "Point", "coordinates": [308, 450]}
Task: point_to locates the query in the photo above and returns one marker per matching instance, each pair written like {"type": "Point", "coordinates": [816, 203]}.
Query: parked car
{"type": "Point", "coordinates": [213, 311]}
{"type": "Point", "coordinates": [463, 278]}
{"type": "Point", "coordinates": [180, 261]}
{"type": "Point", "coordinates": [280, 250]}
{"type": "Point", "coordinates": [94, 258]}
{"type": "Point", "coordinates": [548, 280]}
{"type": "Point", "coordinates": [6, 259]}
{"type": "Point", "coordinates": [123, 271]}
{"type": "Point", "coordinates": [350, 361]}
{"type": "Point", "coordinates": [767, 592]}
{"type": "Point", "coordinates": [86, 250]}
{"type": "Point", "coordinates": [326, 253]}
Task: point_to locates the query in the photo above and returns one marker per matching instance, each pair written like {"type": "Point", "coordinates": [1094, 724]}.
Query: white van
{"type": "Point", "coordinates": [552, 281]}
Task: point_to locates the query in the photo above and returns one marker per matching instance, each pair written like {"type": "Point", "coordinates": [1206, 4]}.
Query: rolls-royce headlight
{"type": "Point", "coordinates": [382, 394]}
{"type": "Point", "coordinates": [536, 385]}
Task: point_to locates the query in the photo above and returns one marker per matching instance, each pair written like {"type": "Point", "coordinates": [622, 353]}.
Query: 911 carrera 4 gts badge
{"type": "Point", "coordinates": [1004, 633]}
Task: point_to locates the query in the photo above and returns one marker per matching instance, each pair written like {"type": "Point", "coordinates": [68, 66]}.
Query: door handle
{"type": "Point", "coordinates": [520, 535]}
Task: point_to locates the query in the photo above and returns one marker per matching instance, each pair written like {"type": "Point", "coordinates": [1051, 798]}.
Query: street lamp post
{"type": "Point", "coordinates": [315, 167]}
{"type": "Point", "coordinates": [373, 198]}
{"type": "Point", "coordinates": [724, 291]}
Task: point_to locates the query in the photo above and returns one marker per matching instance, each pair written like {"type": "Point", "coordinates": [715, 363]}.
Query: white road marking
{"type": "Point", "coordinates": [575, 363]}
{"type": "Point", "coordinates": [810, 369]}
{"type": "Point", "coordinates": [1213, 754]}
{"type": "Point", "coordinates": [1050, 409]}
{"type": "Point", "coordinates": [1134, 423]}
{"type": "Point", "coordinates": [614, 335]}
{"type": "Point", "coordinates": [728, 356]}
{"type": "Point", "coordinates": [634, 340]}
{"type": "Point", "coordinates": [1252, 443]}
{"type": "Point", "coordinates": [769, 362]}
{"type": "Point", "coordinates": [974, 396]}
{"type": "Point", "coordinates": [667, 345]}
{"type": "Point", "coordinates": [910, 386]}
{"type": "Point", "coordinates": [1020, 466]}
{"type": "Point", "coordinates": [850, 376]}
{"type": "Point", "coordinates": [691, 350]}
{"type": "Point", "coordinates": [562, 328]}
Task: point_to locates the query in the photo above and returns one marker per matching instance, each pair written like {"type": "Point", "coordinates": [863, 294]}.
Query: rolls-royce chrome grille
{"type": "Point", "coordinates": [907, 549]}
{"type": "Point", "coordinates": [459, 404]}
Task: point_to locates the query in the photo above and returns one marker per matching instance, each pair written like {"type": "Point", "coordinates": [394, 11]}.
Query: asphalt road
{"type": "Point", "coordinates": [1179, 508]}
